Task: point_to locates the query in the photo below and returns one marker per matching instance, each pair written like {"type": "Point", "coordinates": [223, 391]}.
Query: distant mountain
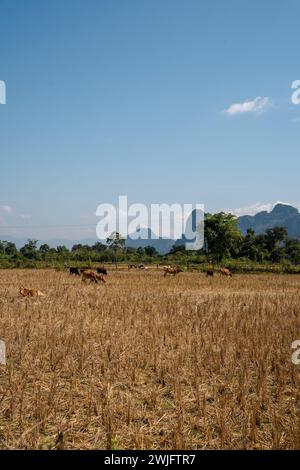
{"type": "Point", "coordinates": [282, 215]}
{"type": "Point", "coordinates": [145, 237]}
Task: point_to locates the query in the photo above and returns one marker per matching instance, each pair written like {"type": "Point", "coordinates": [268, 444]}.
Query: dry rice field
{"type": "Point", "coordinates": [147, 362]}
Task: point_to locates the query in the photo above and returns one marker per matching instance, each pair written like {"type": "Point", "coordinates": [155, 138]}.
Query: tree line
{"type": "Point", "coordinates": [223, 242]}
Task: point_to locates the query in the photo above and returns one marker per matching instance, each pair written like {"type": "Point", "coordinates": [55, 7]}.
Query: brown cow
{"type": "Point", "coordinates": [172, 270]}
{"type": "Point", "coordinates": [225, 272]}
{"type": "Point", "coordinates": [31, 292]}
{"type": "Point", "coordinates": [93, 277]}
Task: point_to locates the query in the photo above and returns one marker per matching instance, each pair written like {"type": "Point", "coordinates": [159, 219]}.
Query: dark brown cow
{"type": "Point", "coordinates": [210, 273]}
{"type": "Point", "coordinates": [102, 271]}
{"type": "Point", "coordinates": [132, 266]}
{"type": "Point", "coordinates": [74, 271]}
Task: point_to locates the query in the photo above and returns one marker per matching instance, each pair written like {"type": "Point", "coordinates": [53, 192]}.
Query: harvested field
{"type": "Point", "coordinates": [147, 362]}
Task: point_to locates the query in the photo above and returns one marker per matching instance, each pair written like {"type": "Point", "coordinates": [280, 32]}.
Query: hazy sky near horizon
{"type": "Point", "coordinates": [160, 100]}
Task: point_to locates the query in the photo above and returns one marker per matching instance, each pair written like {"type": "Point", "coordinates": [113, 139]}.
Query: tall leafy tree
{"type": "Point", "coordinates": [151, 251]}
{"type": "Point", "coordinates": [222, 236]}
{"type": "Point", "coordinates": [292, 250]}
{"type": "Point", "coordinates": [62, 249]}
{"type": "Point", "coordinates": [99, 247]}
{"type": "Point", "coordinates": [116, 241]}
{"type": "Point", "coordinates": [8, 248]}
{"type": "Point", "coordinates": [29, 250]}
{"type": "Point", "coordinates": [45, 248]}
{"type": "Point", "coordinates": [251, 247]}
{"type": "Point", "coordinates": [274, 240]}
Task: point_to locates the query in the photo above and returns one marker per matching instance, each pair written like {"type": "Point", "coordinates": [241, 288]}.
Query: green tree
{"type": "Point", "coordinates": [116, 241]}
{"type": "Point", "coordinates": [8, 248]}
{"type": "Point", "coordinates": [116, 244]}
{"type": "Point", "coordinates": [274, 241]}
{"type": "Point", "coordinates": [99, 247]}
{"type": "Point", "coordinates": [249, 247]}
{"type": "Point", "coordinates": [274, 237]}
{"type": "Point", "coordinates": [29, 250]}
{"type": "Point", "coordinates": [45, 248]}
{"type": "Point", "coordinates": [292, 250]}
{"type": "Point", "coordinates": [62, 249]}
{"type": "Point", "coordinates": [177, 249]}
{"type": "Point", "coordinates": [77, 247]}
{"type": "Point", "coordinates": [151, 251]}
{"type": "Point", "coordinates": [222, 236]}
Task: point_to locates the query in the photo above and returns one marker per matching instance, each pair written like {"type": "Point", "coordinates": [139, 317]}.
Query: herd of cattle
{"type": "Point", "coordinates": [98, 275]}
{"type": "Point", "coordinates": [86, 273]}
{"type": "Point", "coordinates": [78, 271]}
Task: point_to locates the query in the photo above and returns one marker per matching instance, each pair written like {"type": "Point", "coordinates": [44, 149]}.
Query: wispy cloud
{"type": "Point", "coordinates": [7, 209]}
{"type": "Point", "coordinates": [259, 207]}
{"type": "Point", "coordinates": [253, 209]}
{"type": "Point", "coordinates": [25, 216]}
{"type": "Point", "coordinates": [257, 106]}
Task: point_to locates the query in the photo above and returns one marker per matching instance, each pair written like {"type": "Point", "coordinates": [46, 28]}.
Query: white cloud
{"type": "Point", "coordinates": [7, 209]}
{"type": "Point", "coordinates": [25, 216]}
{"type": "Point", "coordinates": [253, 209]}
{"type": "Point", "coordinates": [259, 207]}
{"type": "Point", "coordinates": [258, 106]}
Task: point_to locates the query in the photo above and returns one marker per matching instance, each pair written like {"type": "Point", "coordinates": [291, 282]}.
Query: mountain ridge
{"type": "Point", "coordinates": [282, 215]}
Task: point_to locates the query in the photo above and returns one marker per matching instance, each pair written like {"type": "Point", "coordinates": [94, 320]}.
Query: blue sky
{"type": "Point", "coordinates": [106, 98]}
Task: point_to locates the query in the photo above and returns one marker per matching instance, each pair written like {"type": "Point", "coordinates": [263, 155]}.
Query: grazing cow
{"type": "Point", "coordinates": [172, 270]}
{"type": "Point", "coordinates": [143, 267]}
{"type": "Point", "coordinates": [210, 273]}
{"type": "Point", "coordinates": [131, 266]}
{"type": "Point", "coordinates": [92, 277]}
{"type": "Point", "coordinates": [225, 272]}
{"type": "Point", "coordinates": [74, 271]}
{"type": "Point", "coordinates": [102, 271]}
{"type": "Point", "coordinates": [31, 292]}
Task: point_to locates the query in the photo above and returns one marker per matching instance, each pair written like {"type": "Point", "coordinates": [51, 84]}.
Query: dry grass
{"type": "Point", "coordinates": [146, 362]}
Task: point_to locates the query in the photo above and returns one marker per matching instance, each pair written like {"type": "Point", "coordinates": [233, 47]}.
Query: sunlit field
{"type": "Point", "coordinates": [147, 362]}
